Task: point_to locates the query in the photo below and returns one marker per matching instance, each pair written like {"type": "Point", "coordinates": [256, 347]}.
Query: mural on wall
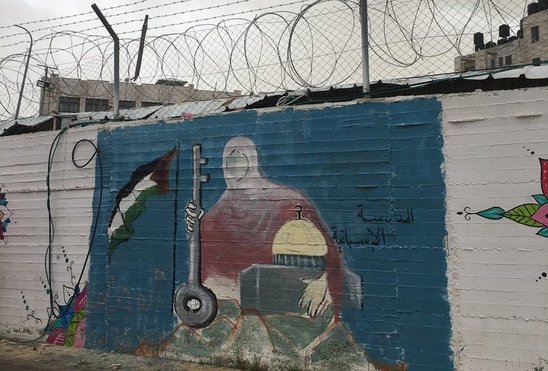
{"type": "Point", "coordinates": [195, 304]}
{"type": "Point", "coordinates": [533, 215]}
{"type": "Point", "coordinates": [255, 246]}
{"type": "Point", "coordinates": [31, 313]}
{"type": "Point", "coordinates": [67, 322]}
{"type": "Point", "coordinates": [69, 328]}
{"type": "Point", "coordinates": [262, 239]}
{"type": "Point", "coordinates": [146, 181]}
{"type": "Point", "coordinates": [66, 314]}
{"type": "Point", "coordinates": [5, 214]}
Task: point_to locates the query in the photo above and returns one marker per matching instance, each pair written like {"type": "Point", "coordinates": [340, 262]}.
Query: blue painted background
{"type": "Point", "coordinates": [385, 156]}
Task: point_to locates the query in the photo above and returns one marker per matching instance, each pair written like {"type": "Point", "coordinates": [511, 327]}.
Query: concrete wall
{"type": "Point", "coordinates": [368, 235]}
{"type": "Point", "coordinates": [499, 299]}
{"type": "Point", "coordinates": [25, 300]}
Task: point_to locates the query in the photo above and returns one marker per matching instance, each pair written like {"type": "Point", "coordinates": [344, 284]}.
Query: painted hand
{"type": "Point", "coordinates": [192, 214]}
{"type": "Point", "coordinates": [316, 297]}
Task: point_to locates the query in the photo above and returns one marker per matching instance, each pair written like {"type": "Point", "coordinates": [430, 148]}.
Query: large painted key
{"type": "Point", "coordinates": [195, 304]}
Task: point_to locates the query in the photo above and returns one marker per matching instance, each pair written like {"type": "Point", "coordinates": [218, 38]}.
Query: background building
{"type": "Point", "coordinates": [68, 95]}
{"type": "Point", "coordinates": [530, 45]}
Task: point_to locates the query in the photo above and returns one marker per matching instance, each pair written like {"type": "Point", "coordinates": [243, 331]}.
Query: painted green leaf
{"type": "Point", "coordinates": [494, 213]}
{"type": "Point", "coordinates": [543, 232]}
{"type": "Point", "coordinates": [541, 199]}
{"type": "Point", "coordinates": [73, 326]}
{"type": "Point", "coordinates": [522, 215]}
{"type": "Point", "coordinates": [122, 234]}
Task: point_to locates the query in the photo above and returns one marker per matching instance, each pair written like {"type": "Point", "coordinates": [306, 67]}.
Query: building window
{"type": "Point", "coordinates": [501, 61]}
{"type": "Point", "coordinates": [536, 61]}
{"type": "Point", "coordinates": [69, 104]}
{"type": "Point", "coordinates": [493, 63]}
{"type": "Point", "coordinates": [96, 105]}
{"type": "Point", "coordinates": [150, 104]}
{"type": "Point", "coordinates": [126, 104]}
{"type": "Point", "coordinates": [535, 34]}
{"type": "Point", "coordinates": [508, 60]}
{"type": "Point", "coordinates": [468, 64]}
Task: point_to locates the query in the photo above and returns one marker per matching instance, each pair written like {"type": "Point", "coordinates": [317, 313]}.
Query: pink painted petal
{"type": "Point", "coordinates": [80, 337]}
{"type": "Point", "coordinates": [544, 176]}
{"type": "Point", "coordinates": [541, 215]}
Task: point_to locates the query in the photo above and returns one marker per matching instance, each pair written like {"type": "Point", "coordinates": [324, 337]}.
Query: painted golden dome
{"type": "Point", "coordinates": [299, 237]}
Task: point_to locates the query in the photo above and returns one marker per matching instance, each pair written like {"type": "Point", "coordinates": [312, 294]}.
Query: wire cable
{"type": "Point", "coordinates": [57, 310]}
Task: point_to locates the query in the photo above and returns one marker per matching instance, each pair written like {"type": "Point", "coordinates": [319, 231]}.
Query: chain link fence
{"type": "Point", "coordinates": [199, 59]}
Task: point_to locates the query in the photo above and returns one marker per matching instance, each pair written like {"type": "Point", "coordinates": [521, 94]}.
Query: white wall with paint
{"type": "Point", "coordinates": [23, 171]}
{"type": "Point", "coordinates": [493, 142]}
{"type": "Point", "coordinates": [492, 145]}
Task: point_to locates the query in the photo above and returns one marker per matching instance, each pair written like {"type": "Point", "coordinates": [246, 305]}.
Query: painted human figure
{"type": "Point", "coordinates": [240, 230]}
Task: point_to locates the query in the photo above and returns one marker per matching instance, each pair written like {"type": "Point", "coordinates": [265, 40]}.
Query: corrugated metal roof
{"type": "Point", "coordinates": [190, 108]}
{"type": "Point", "coordinates": [28, 121]}
{"type": "Point", "coordinates": [243, 102]}
{"type": "Point", "coordinates": [530, 72]}
{"type": "Point", "coordinates": [139, 113]}
{"type": "Point", "coordinates": [129, 114]}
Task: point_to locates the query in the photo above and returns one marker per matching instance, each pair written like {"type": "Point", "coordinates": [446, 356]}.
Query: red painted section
{"type": "Point", "coordinates": [160, 174]}
{"type": "Point", "coordinates": [80, 336]}
{"type": "Point", "coordinates": [2, 196]}
{"type": "Point", "coordinates": [544, 176]}
{"type": "Point", "coordinates": [240, 228]}
{"type": "Point", "coordinates": [81, 301]}
{"type": "Point", "coordinates": [56, 337]}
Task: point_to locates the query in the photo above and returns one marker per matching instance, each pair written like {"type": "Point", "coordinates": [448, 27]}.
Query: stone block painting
{"type": "Point", "coordinates": [290, 236]}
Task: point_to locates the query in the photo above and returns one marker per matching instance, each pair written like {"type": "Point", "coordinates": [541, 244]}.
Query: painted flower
{"type": "Point", "coordinates": [5, 214]}
{"type": "Point", "coordinates": [544, 176]}
{"type": "Point", "coordinates": [541, 215]}
{"type": "Point", "coordinates": [531, 215]}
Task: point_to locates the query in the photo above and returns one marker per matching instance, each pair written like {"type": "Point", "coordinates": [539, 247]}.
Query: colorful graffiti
{"type": "Point", "coordinates": [242, 253]}
{"type": "Point", "coordinates": [533, 215]}
{"type": "Point", "coordinates": [5, 214]}
{"type": "Point", "coordinates": [64, 320]}
{"type": "Point", "coordinates": [69, 328]}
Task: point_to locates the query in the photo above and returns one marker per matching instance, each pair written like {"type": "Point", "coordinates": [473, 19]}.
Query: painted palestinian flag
{"type": "Point", "coordinates": [146, 181]}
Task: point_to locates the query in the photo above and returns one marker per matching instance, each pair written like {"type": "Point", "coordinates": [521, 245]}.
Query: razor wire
{"type": "Point", "coordinates": [228, 55]}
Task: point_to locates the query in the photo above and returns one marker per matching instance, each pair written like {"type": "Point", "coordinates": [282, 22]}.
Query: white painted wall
{"type": "Point", "coordinates": [499, 311]}
{"type": "Point", "coordinates": [23, 170]}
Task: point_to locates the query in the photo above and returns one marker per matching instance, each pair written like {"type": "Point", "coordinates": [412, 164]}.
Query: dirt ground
{"type": "Point", "coordinates": [42, 356]}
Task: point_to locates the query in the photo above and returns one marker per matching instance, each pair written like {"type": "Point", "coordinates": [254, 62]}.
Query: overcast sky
{"type": "Point", "coordinates": [16, 11]}
{"type": "Point", "coordinates": [165, 11]}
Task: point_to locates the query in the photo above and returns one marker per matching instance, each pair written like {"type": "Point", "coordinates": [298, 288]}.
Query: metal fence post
{"type": "Point", "coordinates": [116, 60]}
{"type": "Point", "coordinates": [365, 46]}
{"type": "Point", "coordinates": [24, 73]}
